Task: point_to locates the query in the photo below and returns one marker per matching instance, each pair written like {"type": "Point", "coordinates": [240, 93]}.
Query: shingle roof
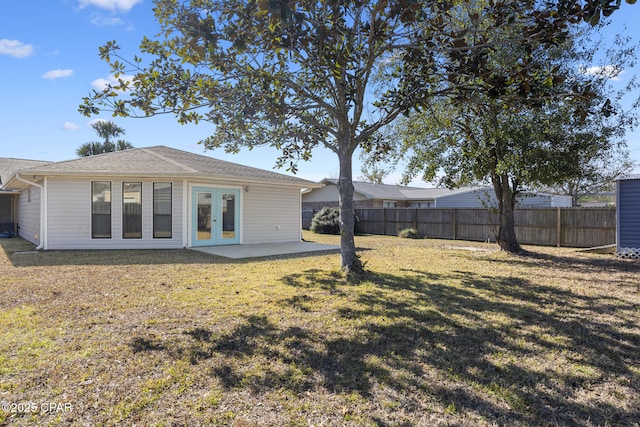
{"type": "Point", "coordinates": [9, 166]}
{"type": "Point", "coordinates": [413, 193]}
{"type": "Point", "coordinates": [162, 161]}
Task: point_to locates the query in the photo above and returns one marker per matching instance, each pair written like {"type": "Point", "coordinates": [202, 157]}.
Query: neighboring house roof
{"type": "Point", "coordinates": [397, 192]}
{"type": "Point", "coordinates": [371, 190]}
{"type": "Point", "coordinates": [413, 193]}
{"type": "Point", "coordinates": [9, 166]}
{"type": "Point", "coordinates": [161, 161]}
{"type": "Point", "coordinates": [630, 177]}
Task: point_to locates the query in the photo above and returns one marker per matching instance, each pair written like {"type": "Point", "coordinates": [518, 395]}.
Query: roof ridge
{"type": "Point", "coordinates": [25, 160]}
{"type": "Point", "coordinates": [167, 159]}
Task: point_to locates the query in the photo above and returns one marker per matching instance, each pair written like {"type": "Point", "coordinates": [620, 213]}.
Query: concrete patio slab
{"type": "Point", "coordinates": [265, 249]}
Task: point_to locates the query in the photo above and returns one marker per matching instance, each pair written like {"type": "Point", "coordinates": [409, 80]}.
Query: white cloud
{"type": "Point", "coordinates": [70, 126]}
{"type": "Point", "coordinates": [101, 84]}
{"type": "Point", "coordinates": [57, 74]}
{"type": "Point", "coordinates": [15, 48]}
{"type": "Point", "coordinates": [113, 5]}
{"type": "Point", "coordinates": [103, 21]}
{"type": "Point", "coordinates": [612, 72]}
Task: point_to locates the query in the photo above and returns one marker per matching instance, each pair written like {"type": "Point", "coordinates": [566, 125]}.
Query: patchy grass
{"type": "Point", "coordinates": [436, 334]}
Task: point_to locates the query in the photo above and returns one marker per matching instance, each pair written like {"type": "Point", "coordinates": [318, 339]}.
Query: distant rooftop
{"type": "Point", "coordinates": [399, 192]}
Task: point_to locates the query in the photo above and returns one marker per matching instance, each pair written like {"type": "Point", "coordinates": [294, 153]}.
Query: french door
{"type": "Point", "coordinates": [216, 216]}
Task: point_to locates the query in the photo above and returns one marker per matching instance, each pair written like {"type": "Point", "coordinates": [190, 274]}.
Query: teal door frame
{"type": "Point", "coordinates": [215, 218]}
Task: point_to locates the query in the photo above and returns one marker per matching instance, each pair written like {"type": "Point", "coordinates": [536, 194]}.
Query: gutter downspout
{"type": "Point", "coordinates": [42, 211]}
{"type": "Point", "coordinates": [185, 214]}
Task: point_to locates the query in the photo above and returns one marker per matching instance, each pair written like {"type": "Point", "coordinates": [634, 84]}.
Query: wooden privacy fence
{"type": "Point", "coordinates": [568, 227]}
{"type": "Point", "coordinates": [307, 216]}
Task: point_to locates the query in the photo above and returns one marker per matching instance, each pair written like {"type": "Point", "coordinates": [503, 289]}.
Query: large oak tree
{"type": "Point", "coordinates": [553, 133]}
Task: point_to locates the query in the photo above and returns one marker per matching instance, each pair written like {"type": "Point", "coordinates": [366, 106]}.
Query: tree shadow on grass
{"type": "Point", "coordinates": [609, 263]}
{"type": "Point", "coordinates": [501, 348]}
{"type": "Point", "coordinates": [531, 323]}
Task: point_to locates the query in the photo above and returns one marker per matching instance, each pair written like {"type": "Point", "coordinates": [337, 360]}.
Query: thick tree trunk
{"type": "Point", "coordinates": [506, 236]}
{"type": "Point", "coordinates": [350, 262]}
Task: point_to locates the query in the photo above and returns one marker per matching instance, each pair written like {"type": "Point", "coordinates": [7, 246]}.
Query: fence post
{"type": "Point", "coordinates": [415, 218]}
{"type": "Point", "coordinates": [455, 222]}
{"type": "Point", "coordinates": [558, 227]}
{"type": "Point", "coordinates": [384, 222]}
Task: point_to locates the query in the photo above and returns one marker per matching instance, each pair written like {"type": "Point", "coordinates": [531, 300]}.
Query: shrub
{"type": "Point", "coordinates": [327, 221]}
{"type": "Point", "coordinates": [409, 233]}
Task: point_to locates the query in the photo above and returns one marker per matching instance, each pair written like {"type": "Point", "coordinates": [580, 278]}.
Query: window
{"type": "Point", "coordinates": [131, 210]}
{"type": "Point", "coordinates": [101, 210]}
{"type": "Point", "coordinates": [388, 204]}
{"type": "Point", "coordinates": [422, 204]}
{"type": "Point", "coordinates": [162, 210]}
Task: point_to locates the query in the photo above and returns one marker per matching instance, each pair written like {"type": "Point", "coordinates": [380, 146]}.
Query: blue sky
{"type": "Point", "coordinates": [49, 61]}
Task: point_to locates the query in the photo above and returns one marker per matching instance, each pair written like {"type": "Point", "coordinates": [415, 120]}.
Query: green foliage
{"type": "Point", "coordinates": [372, 172]}
{"type": "Point", "coordinates": [326, 221]}
{"type": "Point", "coordinates": [517, 140]}
{"type": "Point", "coordinates": [107, 130]}
{"type": "Point", "coordinates": [410, 233]}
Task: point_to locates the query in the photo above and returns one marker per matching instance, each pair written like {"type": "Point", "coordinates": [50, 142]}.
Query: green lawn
{"type": "Point", "coordinates": [438, 333]}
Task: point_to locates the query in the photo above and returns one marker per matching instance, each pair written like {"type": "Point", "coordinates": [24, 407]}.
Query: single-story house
{"type": "Point", "coordinates": [372, 195]}
{"type": "Point", "coordinates": [628, 216]}
{"type": "Point", "coordinates": [149, 198]}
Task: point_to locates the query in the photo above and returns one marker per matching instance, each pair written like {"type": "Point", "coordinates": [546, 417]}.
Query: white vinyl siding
{"type": "Point", "coordinates": [69, 216]}
{"type": "Point", "coordinates": [271, 214]}
{"type": "Point", "coordinates": [29, 214]}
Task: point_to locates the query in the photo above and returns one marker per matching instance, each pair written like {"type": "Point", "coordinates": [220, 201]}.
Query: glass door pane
{"type": "Point", "coordinates": [228, 204]}
{"type": "Point", "coordinates": [203, 231]}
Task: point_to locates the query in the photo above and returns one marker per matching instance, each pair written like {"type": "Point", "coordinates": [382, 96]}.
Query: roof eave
{"type": "Point", "coordinates": [8, 186]}
{"type": "Point", "coordinates": [189, 175]}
